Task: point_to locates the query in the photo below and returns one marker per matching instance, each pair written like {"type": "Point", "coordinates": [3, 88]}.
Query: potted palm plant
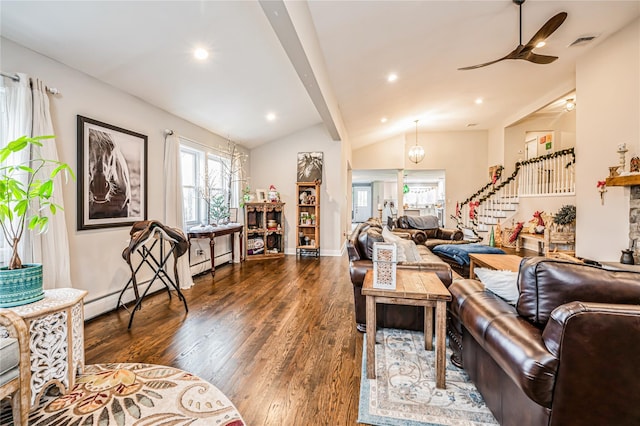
{"type": "Point", "coordinates": [25, 204]}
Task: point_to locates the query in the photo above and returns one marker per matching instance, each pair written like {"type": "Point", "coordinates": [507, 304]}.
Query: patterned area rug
{"type": "Point", "coordinates": [404, 391]}
{"type": "Point", "coordinates": [137, 395]}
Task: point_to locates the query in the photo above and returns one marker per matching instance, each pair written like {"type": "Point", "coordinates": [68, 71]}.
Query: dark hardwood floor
{"type": "Point", "coordinates": [277, 337]}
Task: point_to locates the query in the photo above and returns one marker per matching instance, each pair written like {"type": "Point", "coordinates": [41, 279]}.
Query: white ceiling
{"type": "Point", "coordinates": [144, 48]}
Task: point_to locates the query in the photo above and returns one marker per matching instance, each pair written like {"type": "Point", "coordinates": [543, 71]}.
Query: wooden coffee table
{"type": "Point", "coordinates": [413, 288]}
{"type": "Point", "coordinates": [500, 262]}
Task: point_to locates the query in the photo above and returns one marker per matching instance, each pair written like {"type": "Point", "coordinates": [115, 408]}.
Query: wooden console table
{"type": "Point", "coordinates": [414, 288]}
{"type": "Point", "coordinates": [56, 339]}
{"type": "Point", "coordinates": [219, 231]}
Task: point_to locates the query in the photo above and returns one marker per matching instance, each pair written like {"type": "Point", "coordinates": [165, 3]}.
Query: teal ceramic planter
{"type": "Point", "coordinates": [20, 286]}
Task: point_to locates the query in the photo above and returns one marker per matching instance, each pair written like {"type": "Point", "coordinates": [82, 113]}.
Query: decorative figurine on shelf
{"type": "Point", "coordinates": [634, 167]}
{"type": "Point", "coordinates": [498, 236]}
{"type": "Point", "coordinates": [304, 197]}
{"type": "Point", "coordinates": [537, 223]}
{"type": "Point", "coordinates": [613, 171]}
{"type": "Point", "coordinates": [274, 196]}
{"type": "Point", "coordinates": [622, 150]}
{"type": "Point", "coordinates": [602, 187]}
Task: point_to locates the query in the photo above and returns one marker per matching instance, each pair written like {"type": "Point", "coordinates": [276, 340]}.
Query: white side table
{"type": "Point", "coordinates": [56, 339]}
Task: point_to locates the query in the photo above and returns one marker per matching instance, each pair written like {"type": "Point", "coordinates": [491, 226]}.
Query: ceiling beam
{"type": "Point", "coordinates": [281, 22]}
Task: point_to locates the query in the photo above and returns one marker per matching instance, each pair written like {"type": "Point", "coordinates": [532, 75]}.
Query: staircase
{"type": "Point", "coordinates": [497, 201]}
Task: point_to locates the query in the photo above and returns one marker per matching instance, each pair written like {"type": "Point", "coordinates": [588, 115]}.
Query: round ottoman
{"type": "Point", "coordinates": [140, 395]}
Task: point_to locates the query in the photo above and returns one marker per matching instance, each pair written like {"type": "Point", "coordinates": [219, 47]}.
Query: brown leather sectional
{"type": "Point", "coordinates": [360, 248]}
{"type": "Point", "coordinates": [566, 354]}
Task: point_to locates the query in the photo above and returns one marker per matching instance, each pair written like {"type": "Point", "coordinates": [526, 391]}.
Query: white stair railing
{"type": "Point", "coordinates": [548, 175]}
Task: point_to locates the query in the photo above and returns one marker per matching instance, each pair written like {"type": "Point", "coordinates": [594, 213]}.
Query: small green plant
{"type": "Point", "coordinates": [246, 195]}
{"type": "Point", "coordinates": [566, 215]}
{"type": "Point", "coordinates": [25, 196]}
{"type": "Point", "coordinates": [218, 208]}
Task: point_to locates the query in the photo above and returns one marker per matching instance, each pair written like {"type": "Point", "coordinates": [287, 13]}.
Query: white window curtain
{"type": "Point", "coordinates": [173, 200]}
{"type": "Point", "coordinates": [16, 111]}
{"type": "Point", "coordinates": [52, 247]}
{"type": "Point", "coordinates": [26, 111]}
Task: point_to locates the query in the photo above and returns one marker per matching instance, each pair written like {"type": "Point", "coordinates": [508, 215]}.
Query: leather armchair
{"type": "Point", "coordinates": [15, 368]}
{"type": "Point", "coordinates": [565, 354]}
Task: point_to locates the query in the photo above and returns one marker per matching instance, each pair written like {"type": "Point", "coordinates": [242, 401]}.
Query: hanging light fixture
{"type": "Point", "coordinates": [570, 105]}
{"type": "Point", "coordinates": [416, 153]}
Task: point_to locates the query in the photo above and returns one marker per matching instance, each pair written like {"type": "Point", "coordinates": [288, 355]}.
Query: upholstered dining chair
{"type": "Point", "coordinates": [15, 369]}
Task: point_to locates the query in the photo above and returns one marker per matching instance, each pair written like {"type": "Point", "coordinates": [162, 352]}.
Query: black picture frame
{"type": "Point", "coordinates": [112, 175]}
{"type": "Point", "coordinates": [309, 166]}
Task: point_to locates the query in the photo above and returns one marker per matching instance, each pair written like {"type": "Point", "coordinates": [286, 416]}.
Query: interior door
{"type": "Point", "coordinates": [531, 149]}
{"type": "Point", "coordinates": [362, 206]}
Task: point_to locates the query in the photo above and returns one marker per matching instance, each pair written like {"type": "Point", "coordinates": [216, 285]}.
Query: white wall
{"type": "Point", "coordinates": [563, 127]}
{"type": "Point", "coordinates": [608, 114]}
{"type": "Point", "coordinates": [96, 262]}
{"type": "Point", "coordinates": [463, 156]}
{"type": "Point", "coordinates": [274, 163]}
{"type": "Point", "coordinates": [387, 154]}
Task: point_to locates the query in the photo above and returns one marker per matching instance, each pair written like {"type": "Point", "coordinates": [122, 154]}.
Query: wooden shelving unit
{"type": "Point", "coordinates": [629, 180]}
{"type": "Point", "coordinates": [264, 235]}
{"type": "Point", "coordinates": [308, 228]}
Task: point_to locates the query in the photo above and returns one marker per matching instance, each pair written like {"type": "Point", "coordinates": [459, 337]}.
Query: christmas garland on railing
{"type": "Point", "coordinates": [496, 188]}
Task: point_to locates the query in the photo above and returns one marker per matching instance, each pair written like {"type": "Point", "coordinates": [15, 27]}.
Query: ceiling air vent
{"type": "Point", "coordinates": [583, 40]}
{"type": "Point", "coordinates": [472, 124]}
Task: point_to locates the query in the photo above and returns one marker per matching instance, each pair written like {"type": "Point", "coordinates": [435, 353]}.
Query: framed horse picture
{"type": "Point", "coordinates": [112, 175]}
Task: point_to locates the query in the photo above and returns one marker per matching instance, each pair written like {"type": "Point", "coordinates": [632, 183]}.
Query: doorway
{"type": "Point", "coordinates": [531, 149]}
{"type": "Point", "coordinates": [362, 204]}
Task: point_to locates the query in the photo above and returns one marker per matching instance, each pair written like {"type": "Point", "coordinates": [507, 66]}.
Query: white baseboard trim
{"type": "Point", "coordinates": [101, 305]}
{"type": "Point", "coordinates": [328, 253]}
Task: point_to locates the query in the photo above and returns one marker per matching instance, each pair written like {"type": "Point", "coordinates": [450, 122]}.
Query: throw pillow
{"type": "Point", "coordinates": [502, 283]}
{"type": "Point", "coordinates": [390, 237]}
{"type": "Point", "coordinates": [410, 250]}
{"type": "Point", "coordinates": [407, 249]}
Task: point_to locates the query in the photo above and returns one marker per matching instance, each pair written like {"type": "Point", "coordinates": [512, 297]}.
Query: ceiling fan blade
{"type": "Point", "coordinates": [539, 59]}
{"type": "Point", "coordinates": [472, 67]}
{"type": "Point", "coordinates": [547, 29]}
{"type": "Point", "coordinates": [514, 54]}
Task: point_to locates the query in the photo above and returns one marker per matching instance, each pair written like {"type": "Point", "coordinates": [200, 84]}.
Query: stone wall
{"type": "Point", "coordinates": [634, 220]}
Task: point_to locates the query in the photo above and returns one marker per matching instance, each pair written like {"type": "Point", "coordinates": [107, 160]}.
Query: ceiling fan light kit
{"type": "Point", "coordinates": [525, 52]}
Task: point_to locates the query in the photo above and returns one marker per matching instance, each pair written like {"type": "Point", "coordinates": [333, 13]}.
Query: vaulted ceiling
{"type": "Point", "coordinates": [145, 48]}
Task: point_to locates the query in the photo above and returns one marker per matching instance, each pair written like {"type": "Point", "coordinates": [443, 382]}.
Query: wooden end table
{"type": "Point", "coordinates": [413, 288]}
{"type": "Point", "coordinates": [56, 339]}
{"type": "Point", "coordinates": [499, 262]}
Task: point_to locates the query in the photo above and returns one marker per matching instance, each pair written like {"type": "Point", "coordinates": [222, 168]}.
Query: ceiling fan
{"type": "Point", "coordinates": [525, 52]}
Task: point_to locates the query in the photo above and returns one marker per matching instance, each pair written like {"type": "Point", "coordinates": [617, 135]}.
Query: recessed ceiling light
{"type": "Point", "coordinates": [383, 120]}
{"type": "Point", "coordinates": [479, 101]}
{"type": "Point", "coordinates": [392, 77]}
{"type": "Point", "coordinates": [541, 44]}
{"type": "Point", "coordinates": [270, 117]}
{"type": "Point", "coordinates": [200, 54]}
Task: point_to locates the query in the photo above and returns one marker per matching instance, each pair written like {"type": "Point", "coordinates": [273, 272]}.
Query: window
{"type": "Point", "coordinates": [205, 185]}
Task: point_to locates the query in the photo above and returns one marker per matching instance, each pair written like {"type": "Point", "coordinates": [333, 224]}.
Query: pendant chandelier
{"type": "Point", "coordinates": [416, 153]}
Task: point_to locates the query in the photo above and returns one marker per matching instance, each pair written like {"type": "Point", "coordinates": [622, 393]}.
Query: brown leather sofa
{"type": "Point", "coordinates": [566, 354]}
{"type": "Point", "coordinates": [360, 249]}
{"type": "Point", "coordinates": [428, 236]}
